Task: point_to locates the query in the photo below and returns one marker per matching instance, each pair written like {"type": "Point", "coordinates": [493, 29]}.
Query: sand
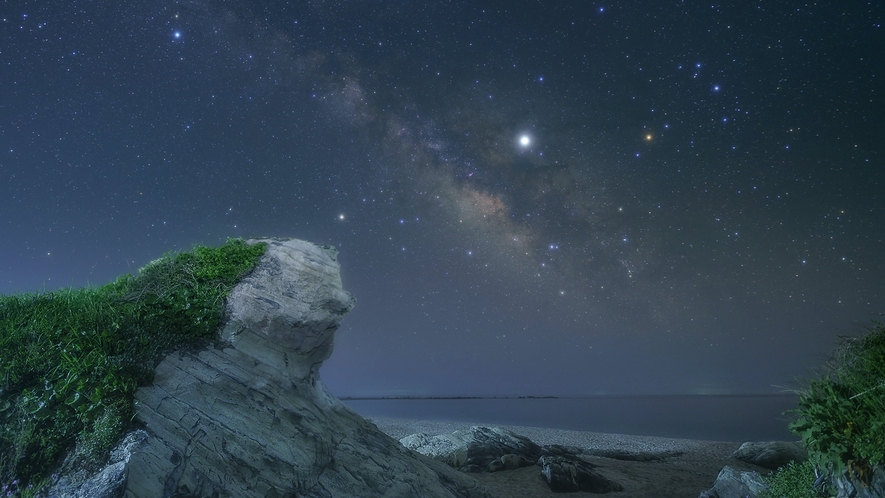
{"type": "Point", "coordinates": [681, 476]}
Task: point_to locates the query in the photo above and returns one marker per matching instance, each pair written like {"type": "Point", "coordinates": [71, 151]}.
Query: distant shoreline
{"type": "Point", "coordinates": [590, 396]}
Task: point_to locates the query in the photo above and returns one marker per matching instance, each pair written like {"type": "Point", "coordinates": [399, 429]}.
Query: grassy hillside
{"type": "Point", "coordinates": [70, 360]}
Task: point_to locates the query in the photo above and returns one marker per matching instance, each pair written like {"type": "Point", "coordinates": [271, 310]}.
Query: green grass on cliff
{"type": "Point", "coordinates": [840, 418]}
{"type": "Point", "coordinates": [70, 360]}
{"type": "Point", "coordinates": [841, 415]}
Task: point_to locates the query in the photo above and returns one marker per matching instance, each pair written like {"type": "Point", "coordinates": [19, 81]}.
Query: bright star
{"type": "Point", "coordinates": [525, 140]}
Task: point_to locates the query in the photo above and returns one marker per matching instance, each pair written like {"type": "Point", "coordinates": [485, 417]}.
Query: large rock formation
{"type": "Point", "coordinates": [248, 417]}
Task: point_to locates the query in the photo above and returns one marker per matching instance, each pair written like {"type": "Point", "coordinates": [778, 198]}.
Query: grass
{"type": "Point", "coordinates": [841, 416]}
{"type": "Point", "coordinates": [71, 360]}
{"type": "Point", "coordinates": [792, 481]}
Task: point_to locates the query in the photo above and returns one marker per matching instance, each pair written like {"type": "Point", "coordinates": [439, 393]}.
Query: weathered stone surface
{"type": "Point", "coordinates": [567, 475]}
{"type": "Point", "coordinates": [475, 449]}
{"type": "Point", "coordinates": [849, 486]}
{"type": "Point", "coordinates": [248, 417]}
{"type": "Point", "coordinates": [771, 454]}
{"type": "Point", "coordinates": [732, 483]}
{"type": "Point", "coordinates": [109, 482]}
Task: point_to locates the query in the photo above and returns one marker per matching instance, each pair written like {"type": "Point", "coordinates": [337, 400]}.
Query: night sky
{"type": "Point", "coordinates": [529, 197]}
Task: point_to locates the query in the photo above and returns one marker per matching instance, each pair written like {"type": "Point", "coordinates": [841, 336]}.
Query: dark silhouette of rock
{"type": "Point", "coordinates": [248, 416]}
{"type": "Point", "coordinates": [567, 475]}
{"type": "Point", "coordinates": [770, 454]}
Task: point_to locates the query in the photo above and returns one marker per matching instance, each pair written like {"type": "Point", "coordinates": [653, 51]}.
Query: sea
{"type": "Point", "coordinates": [735, 418]}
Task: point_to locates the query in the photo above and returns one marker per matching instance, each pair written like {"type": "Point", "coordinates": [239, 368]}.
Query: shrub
{"type": "Point", "coordinates": [70, 360]}
{"type": "Point", "coordinates": [793, 481]}
{"type": "Point", "coordinates": [841, 415]}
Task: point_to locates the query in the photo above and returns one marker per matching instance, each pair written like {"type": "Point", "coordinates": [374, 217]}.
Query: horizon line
{"type": "Point", "coordinates": [581, 396]}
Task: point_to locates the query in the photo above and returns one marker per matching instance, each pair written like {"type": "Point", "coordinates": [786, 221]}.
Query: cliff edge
{"type": "Point", "coordinates": [248, 417]}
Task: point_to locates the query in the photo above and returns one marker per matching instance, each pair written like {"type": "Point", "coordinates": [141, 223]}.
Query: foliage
{"type": "Point", "coordinates": [70, 360]}
{"type": "Point", "coordinates": [792, 481]}
{"type": "Point", "coordinates": [841, 415]}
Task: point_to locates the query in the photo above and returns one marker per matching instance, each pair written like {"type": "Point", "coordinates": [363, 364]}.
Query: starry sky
{"type": "Point", "coordinates": [529, 197]}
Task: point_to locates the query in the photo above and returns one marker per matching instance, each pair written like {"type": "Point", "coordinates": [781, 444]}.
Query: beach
{"type": "Point", "coordinates": [691, 468]}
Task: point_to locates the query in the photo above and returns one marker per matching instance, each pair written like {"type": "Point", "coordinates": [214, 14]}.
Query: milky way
{"type": "Point", "coordinates": [694, 207]}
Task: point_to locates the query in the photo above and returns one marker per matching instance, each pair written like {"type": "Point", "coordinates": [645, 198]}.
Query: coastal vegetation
{"type": "Point", "coordinates": [841, 416]}
{"type": "Point", "coordinates": [71, 360]}
{"type": "Point", "coordinates": [794, 480]}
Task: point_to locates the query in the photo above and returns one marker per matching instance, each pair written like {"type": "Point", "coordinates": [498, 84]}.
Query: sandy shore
{"type": "Point", "coordinates": [684, 475]}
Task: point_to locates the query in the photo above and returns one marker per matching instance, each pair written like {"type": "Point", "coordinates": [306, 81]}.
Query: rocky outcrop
{"type": "Point", "coordinates": [567, 475]}
{"type": "Point", "coordinates": [491, 449]}
{"type": "Point", "coordinates": [248, 416]}
{"type": "Point", "coordinates": [475, 449]}
{"type": "Point", "coordinates": [732, 483]}
{"type": "Point", "coordinates": [771, 454]}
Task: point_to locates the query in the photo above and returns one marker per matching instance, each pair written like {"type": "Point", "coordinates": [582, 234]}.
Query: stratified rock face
{"type": "Point", "coordinates": [249, 417]}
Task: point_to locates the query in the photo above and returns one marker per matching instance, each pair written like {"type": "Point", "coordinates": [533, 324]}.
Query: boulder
{"type": "Point", "coordinates": [732, 483]}
{"type": "Point", "coordinates": [567, 475]}
{"type": "Point", "coordinates": [771, 454]}
{"type": "Point", "coordinates": [248, 416]}
{"type": "Point", "coordinates": [475, 449]}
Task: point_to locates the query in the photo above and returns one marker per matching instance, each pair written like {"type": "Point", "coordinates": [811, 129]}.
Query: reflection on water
{"type": "Point", "coordinates": [713, 418]}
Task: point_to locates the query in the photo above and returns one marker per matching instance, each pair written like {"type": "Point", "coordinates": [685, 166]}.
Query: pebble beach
{"type": "Point", "coordinates": [692, 468]}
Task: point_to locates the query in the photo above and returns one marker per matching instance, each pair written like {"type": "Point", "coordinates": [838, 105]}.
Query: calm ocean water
{"type": "Point", "coordinates": [713, 418]}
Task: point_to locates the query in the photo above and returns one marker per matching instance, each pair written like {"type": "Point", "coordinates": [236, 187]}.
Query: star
{"type": "Point", "coordinates": [525, 140]}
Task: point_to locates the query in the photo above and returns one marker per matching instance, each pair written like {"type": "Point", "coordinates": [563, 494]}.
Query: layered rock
{"type": "Point", "coordinates": [248, 416]}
